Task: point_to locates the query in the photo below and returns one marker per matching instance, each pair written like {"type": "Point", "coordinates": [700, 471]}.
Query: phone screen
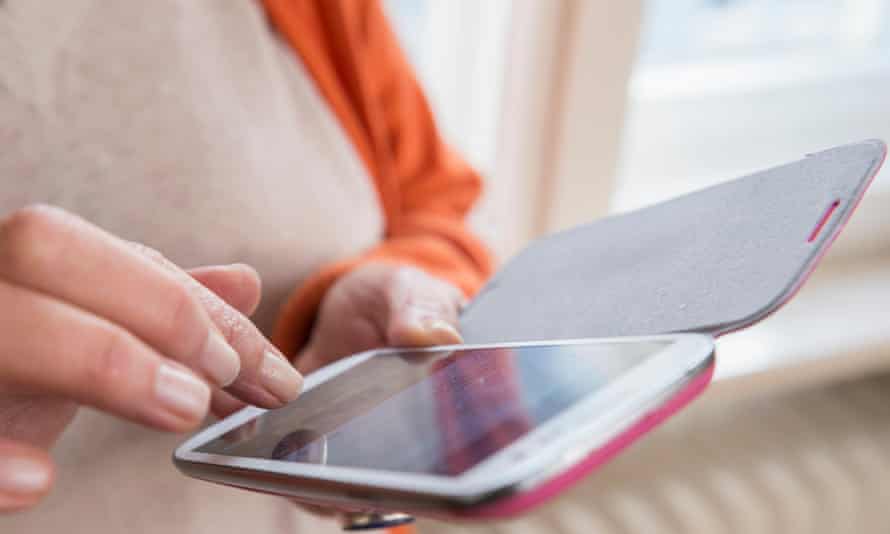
{"type": "Point", "coordinates": [432, 412]}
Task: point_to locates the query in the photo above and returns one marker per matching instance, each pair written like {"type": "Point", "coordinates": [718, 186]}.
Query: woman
{"type": "Point", "coordinates": [289, 135]}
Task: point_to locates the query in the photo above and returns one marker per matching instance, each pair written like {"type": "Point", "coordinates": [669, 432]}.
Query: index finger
{"type": "Point", "coordinates": [268, 379]}
{"type": "Point", "coordinates": [59, 254]}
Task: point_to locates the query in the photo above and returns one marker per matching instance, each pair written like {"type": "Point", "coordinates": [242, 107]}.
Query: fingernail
{"type": "Point", "coordinates": [445, 331]}
{"type": "Point", "coordinates": [219, 360]}
{"type": "Point", "coordinates": [279, 377]}
{"type": "Point", "coordinates": [22, 476]}
{"type": "Point", "coordinates": [182, 393]}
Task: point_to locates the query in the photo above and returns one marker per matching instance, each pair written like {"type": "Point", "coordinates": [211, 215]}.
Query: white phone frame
{"type": "Point", "coordinates": [587, 425]}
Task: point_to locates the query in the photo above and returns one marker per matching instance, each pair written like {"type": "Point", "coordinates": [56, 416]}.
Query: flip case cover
{"type": "Point", "coordinates": [711, 261]}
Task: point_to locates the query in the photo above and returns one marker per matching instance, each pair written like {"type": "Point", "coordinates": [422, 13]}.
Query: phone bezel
{"type": "Point", "coordinates": [603, 414]}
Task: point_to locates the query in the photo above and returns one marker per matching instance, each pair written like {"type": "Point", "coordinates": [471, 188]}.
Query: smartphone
{"type": "Point", "coordinates": [471, 431]}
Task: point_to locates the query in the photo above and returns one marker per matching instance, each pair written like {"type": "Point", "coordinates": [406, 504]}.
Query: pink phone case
{"type": "Point", "coordinates": [751, 243]}
{"type": "Point", "coordinates": [517, 504]}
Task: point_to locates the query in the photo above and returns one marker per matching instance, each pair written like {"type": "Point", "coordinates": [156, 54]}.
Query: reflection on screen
{"type": "Point", "coordinates": [436, 413]}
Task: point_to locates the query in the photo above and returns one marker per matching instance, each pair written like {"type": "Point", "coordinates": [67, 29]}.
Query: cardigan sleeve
{"type": "Point", "coordinates": [425, 189]}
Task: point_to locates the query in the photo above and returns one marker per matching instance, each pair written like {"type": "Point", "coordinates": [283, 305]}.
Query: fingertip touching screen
{"type": "Point", "coordinates": [437, 413]}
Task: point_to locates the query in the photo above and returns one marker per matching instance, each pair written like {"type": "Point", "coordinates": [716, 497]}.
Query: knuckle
{"type": "Point", "coordinates": [431, 306]}
{"type": "Point", "coordinates": [181, 325]}
{"type": "Point", "coordinates": [242, 336]}
{"type": "Point", "coordinates": [108, 364]}
{"type": "Point", "coordinates": [405, 275]}
{"type": "Point", "coordinates": [399, 281]}
{"type": "Point", "coordinates": [413, 287]}
{"type": "Point", "coordinates": [228, 324]}
{"type": "Point", "coordinates": [33, 235]}
{"type": "Point", "coordinates": [150, 253]}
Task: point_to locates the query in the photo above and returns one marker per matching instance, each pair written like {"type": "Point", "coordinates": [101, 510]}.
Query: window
{"type": "Point", "coordinates": [457, 48]}
{"type": "Point", "coordinates": [725, 87]}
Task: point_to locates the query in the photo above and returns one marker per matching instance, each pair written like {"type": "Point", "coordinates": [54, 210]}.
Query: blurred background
{"type": "Point", "coordinates": [573, 109]}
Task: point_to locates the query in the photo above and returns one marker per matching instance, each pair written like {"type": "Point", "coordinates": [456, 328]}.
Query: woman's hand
{"type": "Point", "coordinates": [87, 318]}
{"type": "Point", "coordinates": [380, 305]}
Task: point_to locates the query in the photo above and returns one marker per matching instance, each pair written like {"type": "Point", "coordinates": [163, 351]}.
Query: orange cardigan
{"type": "Point", "coordinates": [424, 188]}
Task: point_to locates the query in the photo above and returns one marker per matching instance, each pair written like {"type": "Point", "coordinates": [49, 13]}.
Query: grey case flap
{"type": "Point", "coordinates": [711, 261]}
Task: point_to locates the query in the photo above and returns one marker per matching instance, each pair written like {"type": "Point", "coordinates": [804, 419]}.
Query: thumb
{"type": "Point", "coordinates": [26, 475]}
{"type": "Point", "coordinates": [423, 310]}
